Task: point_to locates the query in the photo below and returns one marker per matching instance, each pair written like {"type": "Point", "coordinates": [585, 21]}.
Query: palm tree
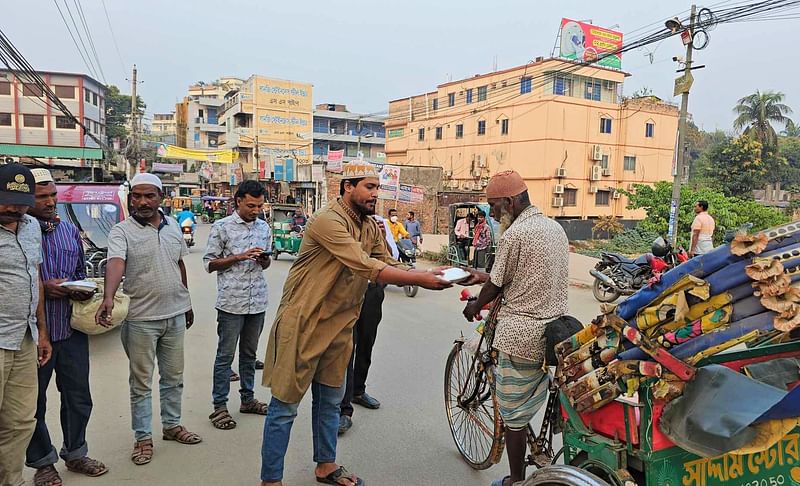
{"type": "Point", "coordinates": [791, 129]}
{"type": "Point", "coordinates": [757, 112]}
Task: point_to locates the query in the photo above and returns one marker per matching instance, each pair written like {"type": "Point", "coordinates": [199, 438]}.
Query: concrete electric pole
{"type": "Point", "coordinates": [134, 127]}
{"type": "Point", "coordinates": [682, 85]}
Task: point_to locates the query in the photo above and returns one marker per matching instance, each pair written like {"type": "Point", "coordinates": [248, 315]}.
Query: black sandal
{"type": "Point", "coordinates": [222, 420]}
{"type": "Point", "coordinates": [341, 473]}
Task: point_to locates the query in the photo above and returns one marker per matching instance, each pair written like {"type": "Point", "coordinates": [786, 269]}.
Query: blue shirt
{"type": "Point", "coordinates": [241, 288]}
{"type": "Point", "coordinates": [19, 277]}
{"type": "Point", "coordinates": [184, 215]}
{"type": "Point", "coordinates": [62, 257]}
{"type": "Point", "coordinates": [413, 228]}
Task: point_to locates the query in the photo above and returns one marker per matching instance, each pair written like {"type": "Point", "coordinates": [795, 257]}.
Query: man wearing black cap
{"type": "Point", "coordinates": [22, 321]}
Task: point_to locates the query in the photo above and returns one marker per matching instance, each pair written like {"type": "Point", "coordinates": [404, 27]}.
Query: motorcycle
{"type": "Point", "coordinates": [408, 256]}
{"type": "Point", "coordinates": [188, 232]}
{"type": "Point", "coordinates": [617, 275]}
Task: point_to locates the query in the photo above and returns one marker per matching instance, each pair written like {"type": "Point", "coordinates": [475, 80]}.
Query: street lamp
{"type": "Point", "coordinates": [674, 24]}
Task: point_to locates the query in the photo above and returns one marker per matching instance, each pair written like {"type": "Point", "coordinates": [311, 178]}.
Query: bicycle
{"type": "Point", "coordinates": [472, 408]}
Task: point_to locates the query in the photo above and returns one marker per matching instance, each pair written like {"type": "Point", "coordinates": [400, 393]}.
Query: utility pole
{"type": "Point", "coordinates": [134, 135]}
{"type": "Point", "coordinates": [358, 145]}
{"type": "Point", "coordinates": [682, 127]}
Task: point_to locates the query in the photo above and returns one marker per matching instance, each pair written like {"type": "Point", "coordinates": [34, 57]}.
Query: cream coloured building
{"type": "Point", "coordinates": [563, 126]}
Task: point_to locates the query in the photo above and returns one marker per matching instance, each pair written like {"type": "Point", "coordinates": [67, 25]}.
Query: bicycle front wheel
{"type": "Point", "coordinates": [472, 410]}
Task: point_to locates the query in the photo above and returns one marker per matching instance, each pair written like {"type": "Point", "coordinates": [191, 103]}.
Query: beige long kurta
{"type": "Point", "coordinates": [311, 338]}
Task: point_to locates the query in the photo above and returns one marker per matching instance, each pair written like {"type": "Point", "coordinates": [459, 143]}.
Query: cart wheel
{"type": "Point", "coordinates": [275, 255]}
{"type": "Point", "coordinates": [474, 417]}
{"type": "Point", "coordinates": [411, 290]}
{"type": "Point", "coordinates": [563, 475]}
{"type": "Point", "coordinates": [599, 470]}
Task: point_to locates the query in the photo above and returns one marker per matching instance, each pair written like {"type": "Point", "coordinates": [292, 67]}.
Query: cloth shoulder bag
{"type": "Point", "coordinates": [83, 313]}
{"type": "Point", "coordinates": [556, 331]}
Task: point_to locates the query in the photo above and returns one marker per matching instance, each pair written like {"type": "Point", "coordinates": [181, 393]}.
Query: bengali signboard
{"type": "Point", "coordinates": [218, 156]}
{"type": "Point", "coordinates": [589, 43]}
{"type": "Point", "coordinates": [282, 95]}
{"type": "Point", "coordinates": [411, 194]}
{"type": "Point", "coordinates": [167, 168]}
{"type": "Point", "coordinates": [282, 126]}
{"type": "Point", "coordinates": [390, 182]}
{"type": "Point", "coordinates": [335, 159]}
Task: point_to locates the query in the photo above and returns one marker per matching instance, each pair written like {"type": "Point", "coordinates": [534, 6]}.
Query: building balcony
{"type": "Point", "coordinates": [342, 137]}
{"type": "Point", "coordinates": [205, 126]}
{"type": "Point", "coordinates": [204, 100]}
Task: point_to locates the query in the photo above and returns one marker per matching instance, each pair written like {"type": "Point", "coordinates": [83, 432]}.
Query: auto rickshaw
{"type": "Point", "coordinates": [217, 213]}
{"type": "Point", "coordinates": [285, 239]}
{"type": "Point", "coordinates": [460, 256]}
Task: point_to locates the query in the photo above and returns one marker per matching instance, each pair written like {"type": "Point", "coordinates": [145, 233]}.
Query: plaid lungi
{"type": "Point", "coordinates": [521, 387]}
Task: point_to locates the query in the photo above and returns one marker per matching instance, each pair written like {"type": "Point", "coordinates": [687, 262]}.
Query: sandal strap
{"type": "Point", "coordinates": [181, 433]}
{"type": "Point", "coordinates": [87, 465]}
{"type": "Point", "coordinates": [46, 475]}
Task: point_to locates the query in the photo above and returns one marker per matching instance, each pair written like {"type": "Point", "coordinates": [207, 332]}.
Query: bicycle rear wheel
{"type": "Point", "coordinates": [472, 410]}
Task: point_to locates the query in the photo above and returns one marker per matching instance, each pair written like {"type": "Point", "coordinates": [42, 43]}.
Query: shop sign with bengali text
{"type": "Point", "coordinates": [589, 43]}
{"type": "Point", "coordinates": [282, 95]}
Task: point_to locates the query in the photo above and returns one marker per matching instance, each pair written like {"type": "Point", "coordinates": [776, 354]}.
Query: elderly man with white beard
{"type": "Point", "coordinates": [531, 273]}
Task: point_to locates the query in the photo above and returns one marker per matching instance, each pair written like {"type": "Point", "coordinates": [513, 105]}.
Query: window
{"type": "Point", "coordinates": [435, 104]}
{"type": "Point", "coordinates": [460, 130]}
{"type": "Point", "coordinates": [5, 119]}
{"type": "Point", "coordinates": [605, 125]}
{"type": "Point", "coordinates": [33, 121]}
{"type": "Point", "coordinates": [32, 90]}
{"type": "Point", "coordinates": [649, 128]}
{"type": "Point", "coordinates": [482, 127]}
{"type": "Point", "coordinates": [65, 123]}
{"type": "Point", "coordinates": [438, 133]}
{"type": "Point", "coordinates": [525, 85]}
{"type": "Point", "coordinates": [5, 88]}
{"type": "Point", "coordinates": [629, 163]}
{"type": "Point", "coordinates": [481, 93]}
{"type": "Point", "coordinates": [602, 198]}
{"type": "Point", "coordinates": [451, 99]}
{"type": "Point", "coordinates": [593, 90]}
{"type": "Point", "coordinates": [94, 99]}
{"type": "Point", "coordinates": [87, 95]}
{"type": "Point", "coordinates": [562, 86]}
{"type": "Point", "coordinates": [504, 126]}
{"type": "Point", "coordinates": [421, 134]}
{"type": "Point", "coordinates": [570, 197]}
{"type": "Point", "coordinates": [604, 161]}
{"type": "Point", "coordinates": [469, 95]}
{"type": "Point", "coordinates": [65, 92]}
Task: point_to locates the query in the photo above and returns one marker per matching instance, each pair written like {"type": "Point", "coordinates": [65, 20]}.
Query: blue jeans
{"type": "Point", "coordinates": [144, 341]}
{"type": "Point", "coordinates": [246, 330]}
{"type": "Point", "coordinates": [278, 427]}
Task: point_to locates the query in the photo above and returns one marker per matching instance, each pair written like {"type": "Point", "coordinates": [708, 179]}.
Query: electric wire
{"type": "Point", "coordinates": [114, 38]}
{"type": "Point", "coordinates": [64, 19]}
{"type": "Point", "coordinates": [82, 16]}
{"type": "Point", "coordinates": [80, 38]}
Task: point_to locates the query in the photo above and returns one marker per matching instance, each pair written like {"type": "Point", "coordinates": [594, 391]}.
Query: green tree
{"type": "Point", "coordinates": [756, 114]}
{"type": "Point", "coordinates": [118, 110]}
{"type": "Point", "coordinates": [791, 130]}
{"type": "Point", "coordinates": [735, 167]}
{"type": "Point", "coordinates": [728, 212]}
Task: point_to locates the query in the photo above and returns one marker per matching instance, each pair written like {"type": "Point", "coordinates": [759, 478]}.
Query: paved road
{"type": "Point", "coordinates": [407, 441]}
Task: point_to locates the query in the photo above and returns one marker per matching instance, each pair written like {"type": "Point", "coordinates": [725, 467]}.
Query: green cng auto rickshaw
{"type": "Point", "coordinates": [458, 251]}
{"type": "Point", "coordinates": [286, 235]}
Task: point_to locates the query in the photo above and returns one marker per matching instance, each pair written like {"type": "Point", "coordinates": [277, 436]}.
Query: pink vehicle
{"type": "Point", "coordinates": [94, 208]}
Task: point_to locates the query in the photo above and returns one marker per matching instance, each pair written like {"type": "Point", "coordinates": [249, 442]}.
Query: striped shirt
{"type": "Point", "coordinates": [62, 254]}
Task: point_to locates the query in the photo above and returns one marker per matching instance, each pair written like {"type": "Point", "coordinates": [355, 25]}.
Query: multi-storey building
{"type": "Point", "coordinates": [197, 116]}
{"type": "Point", "coordinates": [562, 125]}
{"type": "Point", "coordinates": [335, 128]}
{"type": "Point", "coordinates": [32, 128]}
{"type": "Point", "coordinates": [164, 128]}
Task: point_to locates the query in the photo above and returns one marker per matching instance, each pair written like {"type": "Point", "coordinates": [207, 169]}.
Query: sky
{"type": "Point", "coordinates": [364, 54]}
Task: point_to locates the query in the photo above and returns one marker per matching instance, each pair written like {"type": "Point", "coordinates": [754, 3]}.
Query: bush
{"type": "Point", "coordinates": [440, 257]}
{"type": "Point", "coordinates": [633, 242]}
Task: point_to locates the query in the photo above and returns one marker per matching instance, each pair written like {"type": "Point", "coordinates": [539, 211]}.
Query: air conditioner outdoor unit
{"type": "Point", "coordinates": [558, 202]}
{"type": "Point", "coordinates": [558, 189]}
{"type": "Point", "coordinates": [596, 173]}
{"type": "Point", "coordinates": [561, 172]}
{"type": "Point", "coordinates": [597, 152]}
{"type": "Point", "coordinates": [617, 195]}
{"type": "Point", "coordinates": [592, 189]}
{"type": "Point", "coordinates": [606, 172]}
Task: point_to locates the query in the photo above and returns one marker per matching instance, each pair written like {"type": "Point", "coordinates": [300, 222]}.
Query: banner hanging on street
{"type": "Point", "coordinates": [217, 156]}
{"type": "Point", "coordinates": [335, 158]}
{"type": "Point", "coordinates": [167, 168]}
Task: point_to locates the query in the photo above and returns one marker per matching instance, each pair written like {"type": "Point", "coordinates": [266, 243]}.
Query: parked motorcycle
{"type": "Point", "coordinates": [617, 275]}
{"type": "Point", "coordinates": [188, 233]}
{"type": "Point", "coordinates": [408, 255]}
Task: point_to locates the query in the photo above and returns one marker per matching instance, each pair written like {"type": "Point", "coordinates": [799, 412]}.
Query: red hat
{"type": "Point", "coordinates": [505, 184]}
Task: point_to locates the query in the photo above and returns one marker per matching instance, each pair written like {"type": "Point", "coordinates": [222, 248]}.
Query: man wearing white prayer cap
{"type": "Point", "coordinates": [148, 250]}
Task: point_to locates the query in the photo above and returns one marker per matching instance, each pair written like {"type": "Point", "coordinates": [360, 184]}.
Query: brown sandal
{"type": "Point", "coordinates": [254, 407]}
{"type": "Point", "coordinates": [180, 434]}
{"type": "Point", "coordinates": [87, 466]}
{"type": "Point", "coordinates": [47, 476]}
{"type": "Point", "coordinates": [142, 452]}
{"type": "Point", "coordinates": [222, 420]}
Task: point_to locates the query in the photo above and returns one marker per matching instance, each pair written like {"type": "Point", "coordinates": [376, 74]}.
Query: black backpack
{"type": "Point", "coordinates": [556, 331]}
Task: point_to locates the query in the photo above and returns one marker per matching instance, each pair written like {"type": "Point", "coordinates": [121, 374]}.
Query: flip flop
{"type": "Point", "coordinates": [341, 473]}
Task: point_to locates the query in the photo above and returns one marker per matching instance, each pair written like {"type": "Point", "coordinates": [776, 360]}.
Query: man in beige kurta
{"type": "Point", "coordinates": [312, 336]}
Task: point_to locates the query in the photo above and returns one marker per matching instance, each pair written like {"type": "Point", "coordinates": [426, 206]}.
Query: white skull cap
{"type": "Point", "coordinates": [41, 175]}
{"type": "Point", "coordinates": [145, 178]}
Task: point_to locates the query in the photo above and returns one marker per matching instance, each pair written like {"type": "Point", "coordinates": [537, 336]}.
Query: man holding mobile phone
{"type": "Point", "coordinates": [239, 248]}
